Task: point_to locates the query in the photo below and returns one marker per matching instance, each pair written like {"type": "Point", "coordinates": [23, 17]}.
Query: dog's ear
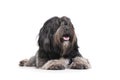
{"type": "Point", "coordinates": [46, 33]}
{"type": "Point", "coordinates": [44, 41]}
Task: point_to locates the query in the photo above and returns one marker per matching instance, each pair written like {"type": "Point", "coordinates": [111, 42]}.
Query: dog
{"type": "Point", "coordinates": [58, 48]}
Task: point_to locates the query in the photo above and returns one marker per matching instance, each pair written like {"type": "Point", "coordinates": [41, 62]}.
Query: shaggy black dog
{"type": "Point", "coordinates": [58, 47]}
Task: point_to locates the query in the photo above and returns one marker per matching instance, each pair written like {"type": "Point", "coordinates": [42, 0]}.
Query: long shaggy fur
{"type": "Point", "coordinates": [58, 47]}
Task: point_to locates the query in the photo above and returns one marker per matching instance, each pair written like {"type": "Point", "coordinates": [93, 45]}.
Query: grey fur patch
{"type": "Point", "coordinates": [26, 62]}
{"type": "Point", "coordinates": [80, 63]}
{"type": "Point", "coordinates": [39, 61]}
{"type": "Point", "coordinates": [65, 45]}
{"type": "Point", "coordinates": [23, 62]}
{"type": "Point", "coordinates": [56, 64]}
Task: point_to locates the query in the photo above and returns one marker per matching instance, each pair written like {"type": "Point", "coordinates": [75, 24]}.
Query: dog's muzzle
{"type": "Point", "coordinates": [66, 34]}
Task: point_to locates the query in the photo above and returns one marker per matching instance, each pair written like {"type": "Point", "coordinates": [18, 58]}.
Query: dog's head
{"type": "Point", "coordinates": [57, 33]}
{"type": "Point", "coordinates": [65, 32]}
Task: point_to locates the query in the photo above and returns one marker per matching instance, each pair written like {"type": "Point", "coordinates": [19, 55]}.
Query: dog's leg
{"type": "Point", "coordinates": [30, 62]}
{"type": "Point", "coordinates": [56, 64]}
{"type": "Point", "coordinates": [39, 61]}
{"type": "Point", "coordinates": [80, 63]}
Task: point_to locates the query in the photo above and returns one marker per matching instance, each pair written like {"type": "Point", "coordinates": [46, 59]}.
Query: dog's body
{"type": "Point", "coordinates": [58, 47]}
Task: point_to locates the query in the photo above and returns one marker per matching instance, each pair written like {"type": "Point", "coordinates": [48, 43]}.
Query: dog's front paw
{"type": "Point", "coordinates": [56, 67]}
{"type": "Point", "coordinates": [80, 63]}
{"type": "Point", "coordinates": [53, 65]}
{"type": "Point", "coordinates": [56, 64]}
{"type": "Point", "coordinates": [23, 62]}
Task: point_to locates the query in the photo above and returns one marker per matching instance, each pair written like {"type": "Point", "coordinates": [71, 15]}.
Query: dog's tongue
{"type": "Point", "coordinates": [66, 38]}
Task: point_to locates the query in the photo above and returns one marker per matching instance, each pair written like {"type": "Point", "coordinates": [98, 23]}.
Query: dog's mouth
{"type": "Point", "coordinates": [65, 38]}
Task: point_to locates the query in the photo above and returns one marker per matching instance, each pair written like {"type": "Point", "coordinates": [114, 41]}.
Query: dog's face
{"type": "Point", "coordinates": [65, 32]}
{"type": "Point", "coordinates": [57, 32]}
{"type": "Point", "coordinates": [65, 36]}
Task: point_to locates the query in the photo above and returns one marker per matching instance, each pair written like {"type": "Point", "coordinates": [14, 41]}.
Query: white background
{"type": "Point", "coordinates": [97, 25]}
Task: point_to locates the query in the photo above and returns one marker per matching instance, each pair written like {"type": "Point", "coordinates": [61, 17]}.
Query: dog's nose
{"type": "Point", "coordinates": [66, 28]}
